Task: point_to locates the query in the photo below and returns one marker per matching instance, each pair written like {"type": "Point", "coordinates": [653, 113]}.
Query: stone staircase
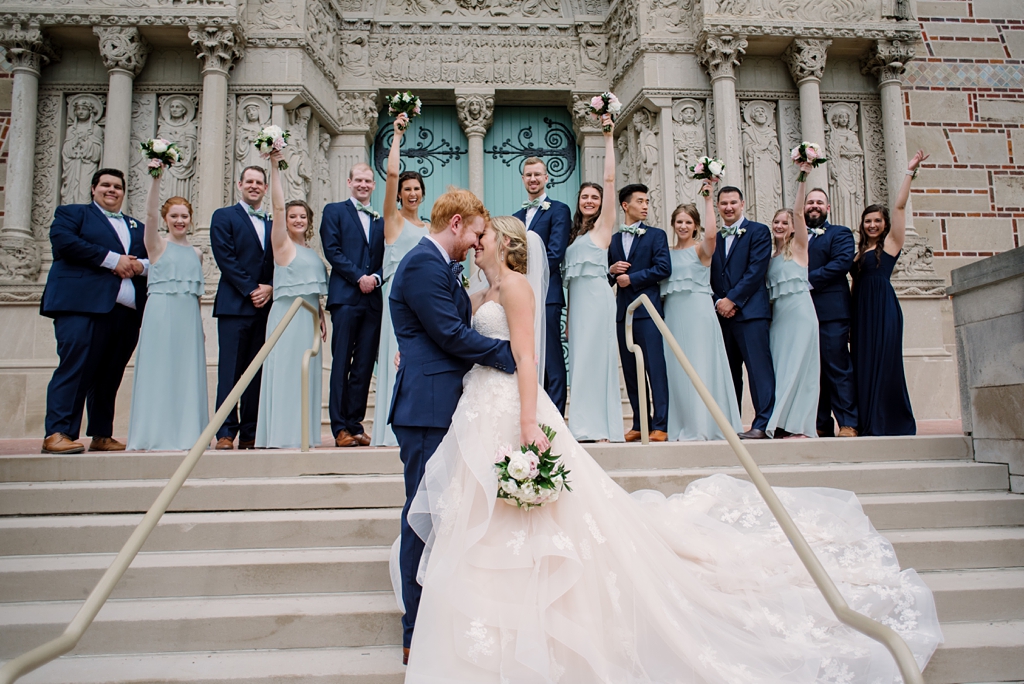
{"type": "Point", "coordinates": [272, 565]}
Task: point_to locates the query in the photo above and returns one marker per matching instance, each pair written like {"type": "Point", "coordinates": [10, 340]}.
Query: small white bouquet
{"type": "Point", "coordinates": [160, 153]}
{"type": "Point", "coordinates": [807, 152]}
{"type": "Point", "coordinates": [272, 139]}
{"type": "Point", "coordinates": [527, 477]}
{"type": "Point", "coordinates": [707, 168]}
{"type": "Point", "coordinates": [404, 103]}
{"type": "Point", "coordinates": [605, 103]}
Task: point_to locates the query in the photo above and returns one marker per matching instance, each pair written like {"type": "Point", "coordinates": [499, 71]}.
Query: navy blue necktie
{"type": "Point", "coordinates": [455, 267]}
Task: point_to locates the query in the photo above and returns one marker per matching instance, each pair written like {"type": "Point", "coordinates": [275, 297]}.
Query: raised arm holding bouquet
{"type": "Point", "coordinates": [807, 152]}
{"type": "Point", "coordinates": [404, 103]}
{"type": "Point", "coordinates": [272, 139]}
{"type": "Point", "coordinates": [605, 103]}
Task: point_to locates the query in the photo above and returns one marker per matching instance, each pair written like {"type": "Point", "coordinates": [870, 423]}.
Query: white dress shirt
{"type": "Point", "coordinates": [258, 224]}
{"type": "Point", "coordinates": [627, 240]}
{"type": "Point", "coordinates": [532, 211]}
{"type": "Point", "coordinates": [126, 294]}
{"type": "Point", "coordinates": [729, 239]}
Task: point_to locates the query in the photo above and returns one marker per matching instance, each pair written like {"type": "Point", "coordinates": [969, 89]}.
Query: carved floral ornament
{"type": "Point", "coordinates": [888, 58]}
{"type": "Point", "coordinates": [476, 113]}
{"type": "Point", "coordinates": [218, 47]}
{"type": "Point", "coordinates": [805, 58]}
{"type": "Point", "coordinates": [123, 48]}
{"type": "Point", "coordinates": [27, 48]}
{"type": "Point", "coordinates": [720, 55]}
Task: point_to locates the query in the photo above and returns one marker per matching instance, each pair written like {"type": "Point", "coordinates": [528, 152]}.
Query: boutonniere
{"type": "Point", "coordinates": [740, 231]}
{"type": "Point", "coordinates": [465, 281]}
{"type": "Point", "coordinates": [818, 231]}
{"type": "Point", "coordinates": [132, 223]}
{"type": "Point", "coordinates": [545, 205]}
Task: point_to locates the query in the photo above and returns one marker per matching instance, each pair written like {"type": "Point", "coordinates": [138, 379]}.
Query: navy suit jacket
{"type": "Point", "coordinates": [829, 258]}
{"type": "Point", "coordinates": [431, 315]}
{"type": "Point", "coordinates": [740, 277]}
{"type": "Point", "coordinates": [553, 226]}
{"type": "Point", "coordinates": [649, 264]}
{"type": "Point", "coordinates": [244, 263]}
{"type": "Point", "coordinates": [81, 237]}
{"type": "Point", "coordinates": [350, 256]}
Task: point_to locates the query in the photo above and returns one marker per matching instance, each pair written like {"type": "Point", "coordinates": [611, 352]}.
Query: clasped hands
{"type": "Point", "coordinates": [618, 269]}
{"type": "Point", "coordinates": [128, 266]}
{"type": "Point", "coordinates": [726, 308]}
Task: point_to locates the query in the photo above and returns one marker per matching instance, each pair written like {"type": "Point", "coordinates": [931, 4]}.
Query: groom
{"type": "Point", "coordinates": [431, 313]}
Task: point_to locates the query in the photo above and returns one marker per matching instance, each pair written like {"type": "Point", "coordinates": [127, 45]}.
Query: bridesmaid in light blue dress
{"type": "Point", "coordinates": [403, 230]}
{"type": "Point", "coordinates": [690, 315]}
{"type": "Point", "coordinates": [170, 407]}
{"type": "Point", "coordinates": [298, 272]}
{"type": "Point", "coordinates": [794, 331]}
{"type": "Point", "coordinates": [595, 401]}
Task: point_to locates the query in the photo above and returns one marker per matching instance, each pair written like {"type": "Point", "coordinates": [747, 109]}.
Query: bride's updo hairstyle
{"type": "Point", "coordinates": [514, 253]}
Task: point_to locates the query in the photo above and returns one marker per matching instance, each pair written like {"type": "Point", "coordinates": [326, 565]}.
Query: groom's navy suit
{"type": "Point", "coordinates": [649, 264]}
{"type": "Point", "coordinates": [740, 277]}
{"type": "Point", "coordinates": [553, 226]}
{"type": "Point", "coordinates": [431, 314]}
{"type": "Point", "coordinates": [95, 335]}
{"type": "Point", "coordinates": [829, 258]}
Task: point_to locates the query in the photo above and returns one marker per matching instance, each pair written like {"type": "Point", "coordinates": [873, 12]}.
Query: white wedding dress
{"type": "Point", "coordinates": [604, 586]}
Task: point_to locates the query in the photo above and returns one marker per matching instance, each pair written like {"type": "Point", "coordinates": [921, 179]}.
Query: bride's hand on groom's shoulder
{"type": "Point", "coordinates": [532, 434]}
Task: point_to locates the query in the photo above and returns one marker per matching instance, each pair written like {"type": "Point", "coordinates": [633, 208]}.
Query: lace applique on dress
{"type": "Point", "coordinates": [448, 509]}
{"type": "Point", "coordinates": [483, 642]}
{"type": "Point", "coordinates": [516, 542]}
{"type": "Point", "coordinates": [595, 531]}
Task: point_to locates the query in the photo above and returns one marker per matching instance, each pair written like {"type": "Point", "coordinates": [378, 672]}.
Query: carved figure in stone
{"type": "Point", "coordinates": [877, 190]}
{"type": "Point", "coordinates": [83, 148]}
{"type": "Point", "coordinates": [690, 141]}
{"type": "Point", "coordinates": [761, 158]}
{"type": "Point", "coordinates": [19, 259]}
{"type": "Point", "coordinates": [625, 169]}
{"type": "Point", "coordinates": [595, 53]}
{"type": "Point", "coordinates": [647, 157]}
{"type": "Point", "coordinates": [354, 60]}
{"type": "Point", "coordinates": [253, 115]}
{"type": "Point", "coordinates": [476, 113]}
{"type": "Point", "coordinates": [297, 178]}
{"type": "Point", "coordinates": [322, 189]}
{"type": "Point", "coordinates": [670, 15]}
{"type": "Point", "coordinates": [275, 15]}
{"type": "Point", "coordinates": [540, 8]}
{"type": "Point", "coordinates": [845, 163]}
{"type": "Point", "coordinates": [178, 124]}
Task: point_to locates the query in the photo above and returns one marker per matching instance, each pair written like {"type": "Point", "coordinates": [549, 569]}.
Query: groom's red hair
{"type": "Point", "coordinates": [455, 201]}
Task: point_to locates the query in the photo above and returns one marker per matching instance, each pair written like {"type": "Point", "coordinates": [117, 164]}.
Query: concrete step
{"type": "Point", "coordinates": [959, 549]}
{"type": "Point", "coordinates": [979, 652]}
{"type": "Point", "coordinates": [371, 461]}
{"type": "Point", "coordinates": [974, 595]}
{"type": "Point", "coordinates": [383, 491]}
{"type": "Point", "coordinates": [210, 623]}
{"type": "Point", "coordinates": [56, 534]}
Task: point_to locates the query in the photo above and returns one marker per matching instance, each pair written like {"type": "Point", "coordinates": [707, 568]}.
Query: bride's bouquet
{"type": "Point", "coordinates": [272, 139]}
{"type": "Point", "coordinates": [807, 152]}
{"type": "Point", "coordinates": [160, 153]}
{"type": "Point", "coordinates": [528, 477]}
{"type": "Point", "coordinates": [404, 103]}
{"type": "Point", "coordinates": [707, 168]}
{"type": "Point", "coordinates": [605, 103]}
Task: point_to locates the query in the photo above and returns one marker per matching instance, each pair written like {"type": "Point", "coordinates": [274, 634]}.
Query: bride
{"type": "Point", "coordinates": [604, 586]}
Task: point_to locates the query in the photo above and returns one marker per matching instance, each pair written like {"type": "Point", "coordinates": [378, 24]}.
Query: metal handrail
{"type": "Point", "coordinates": [871, 628]}
{"type": "Point", "coordinates": [51, 650]}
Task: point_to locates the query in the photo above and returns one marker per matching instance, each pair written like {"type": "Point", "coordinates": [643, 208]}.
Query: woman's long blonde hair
{"type": "Point", "coordinates": [786, 249]}
{"type": "Point", "coordinates": [514, 253]}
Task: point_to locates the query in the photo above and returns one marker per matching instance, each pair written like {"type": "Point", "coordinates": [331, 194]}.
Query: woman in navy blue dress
{"type": "Point", "coordinates": [876, 328]}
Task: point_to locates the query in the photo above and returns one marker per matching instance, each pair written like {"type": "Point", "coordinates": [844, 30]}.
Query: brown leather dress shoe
{"type": "Point", "coordinates": [405, 656]}
{"type": "Point", "coordinates": [247, 444]}
{"type": "Point", "coordinates": [59, 443]}
{"type": "Point", "coordinates": [344, 439]}
{"type": "Point", "coordinates": [658, 436]}
{"type": "Point", "coordinates": [825, 433]}
{"type": "Point", "coordinates": [847, 432]}
{"type": "Point", "coordinates": [362, 439]}
{"type": "Point", "coordinates": [105, 444]}
{"type": "Point", "coordinates": [633, 436]}
{"type": "Point", "coordinates": [225, 444]}
{"type": "Point", "coordinates": [753, 434]}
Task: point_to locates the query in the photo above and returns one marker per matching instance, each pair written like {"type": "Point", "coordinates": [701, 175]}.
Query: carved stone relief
{"type": "Point", "coordinates": [217, 47]}
{"type": "Point", "coordinates": [252, 114]}
{"type": "Point", "coordinates": [178, 123]}
{"type": "Point", "coordinates": [888, 59]}
{"type": "Point", "coordinates": [623, 35]}
{"type": "Point", "coordinates": [849, 10]}
{"type": "Point", "coordinates": [792, 135]}
{"type": "Point", "coordinates": [914, 273]}
{"type": "Point", "coordinates": [20, 259]}
{"type": "Point", "coordinates": [274, 15]}
{"type": "Point", "coordinates": [625, 170]}
{"type": "Point", "coordinates": [845, 163]}
{"type": "Point", "coordinates": [297, 178]}
{"type": "Point", "coordinates": [355, 55]}
{"type": "Point", "coordinates": [476, 113]}
{"type": "Point", "coordinates": [323, 192]}
{"type": "Point", "coordinates": [493, 8]}
{"type": "Point", "coordinates": [358, 111]}
{"type": "Point", "coordinates": [122, 48]}
{"type": "Point", "coordinates": [689, 137]}
{"type": "Point", "coordinates": [721, 55]}
{"type": "Point", "coordinates": [45, 184]}
{"type": "Point", "coordinates": [806, 58]}
{"type": "Point", "coordinates": [83, 146]}
{"type": "Point", "coordinates": [874, 146]}
{"type": "Point", "coordinates": [143, 128]}
{"type": "Point", "coordinates": [321, 33]}
{"type": "Point", "coordinates": [582, 120]}
{"type": "Point", "coordinates": [593, 53]}
{"type": "Point", "coordinates": [761, 158]}
{"type": "Point", "coordinates": [27, 48]}
{"type": "Point", "coordinates": [669, 15]}
{"type": "Point", "coordinates": [645, 127]}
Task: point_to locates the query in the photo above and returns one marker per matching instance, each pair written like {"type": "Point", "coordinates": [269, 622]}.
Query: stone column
{"type": "Point", "coordinates": [806, 60]}
{"type": "Point", "coordinates": [666, 161]}
{"type": "Point", "coordinates": [721, 55]}
{"type": "Point", "coordinates": [219, 49]}
{"type": "Point", "coordinates": [476, 114]}
{"type": "Point", "coordinates": [590, 139]}
{"type": "Point", "coordinates": [28, 51]}
{"type": "Point", "coordinates": [357, 116]}
{"type": "Point", "coordinates": [124, 51]}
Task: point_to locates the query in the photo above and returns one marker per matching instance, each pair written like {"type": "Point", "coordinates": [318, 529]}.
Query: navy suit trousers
{"type": "Point", "coordinates": [94, 350]}
{"type": "Point", "coordinates": [838, 393]}
{"type": "Point", "coordinates": [647, 335]}
{"type": "Point", "coordinates": [416, 446]}
{"type": "Point", "coordinates": [354, 344]}
{"type": "Point", "coordinates": [239, 339]}
{"type": "Point", "coordinates": [747, 342]}
{"type": "Point", "coordinates": [555, 374]}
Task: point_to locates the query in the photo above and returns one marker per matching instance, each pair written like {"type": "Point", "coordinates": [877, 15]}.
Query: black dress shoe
{"type": "Point", "coordinates": [753, 434]}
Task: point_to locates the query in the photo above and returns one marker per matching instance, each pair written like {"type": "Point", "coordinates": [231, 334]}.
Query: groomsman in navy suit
{"type": "Point", "coordinates": [95, 293]}
{"type": "Point", "coordinates": [638, 260]}
{"type": "Point", "coordinates": [552, 221]}
{"type": "Point", "coordinates": [352, 234]}
{"type": "Point", "coordinates": [240, 239]}
{"type": "Point", "coordinates": [829, 258]}
{"type": "Point", "coordinates": [738, 269]}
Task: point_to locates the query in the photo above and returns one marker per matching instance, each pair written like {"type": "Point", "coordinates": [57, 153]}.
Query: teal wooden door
{"type": "Point", "coordinates": [522, 132]}
{"type": "Point", "coordinates": [434, 145]}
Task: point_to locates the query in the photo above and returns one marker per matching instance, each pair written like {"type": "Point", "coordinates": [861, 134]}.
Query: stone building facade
{"type": "Point", "coordinates": [742, 79]}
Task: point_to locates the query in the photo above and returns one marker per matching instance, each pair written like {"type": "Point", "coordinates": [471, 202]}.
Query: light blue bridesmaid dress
{"type": "Point", "coordinates": [595, 401]}
{"type": "Point", "coordinates": [690, 315]}
{"type": "Point", "coordinates": [170, 407]}
{"type": "Point", "coordinates": [279, 424]}
{"type": "Point", "coordinates": [393, 255]}
{"type": "Point", "coordinates": [794, 345]}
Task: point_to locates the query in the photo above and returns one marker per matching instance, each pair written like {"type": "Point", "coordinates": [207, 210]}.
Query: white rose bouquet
{"type": "Point", "coordinates": [605, 103]}
{"type": "Point", "coordinates": [528, 477]}
{"type": "Point", "coordinates": [707, 168]}
{"type": "Point", "coordinates": [404, 103]}
{"type": "Point", "coordinates": [807, 152]}
{"type": "Point", "coordinates": [272, 139]}
{"type": "Point", "coordinates": [160, 153]}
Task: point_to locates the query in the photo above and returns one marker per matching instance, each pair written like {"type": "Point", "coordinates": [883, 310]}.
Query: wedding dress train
{"type": "Point", "coordinates": [604, 586]}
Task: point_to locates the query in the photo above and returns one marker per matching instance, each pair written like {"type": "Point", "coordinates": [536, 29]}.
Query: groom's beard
{"type": "Point", "coordinates": [816, 220]}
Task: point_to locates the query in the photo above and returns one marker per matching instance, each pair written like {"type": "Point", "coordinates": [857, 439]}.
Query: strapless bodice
{"type": "Point", "coordinates": [490, 321]}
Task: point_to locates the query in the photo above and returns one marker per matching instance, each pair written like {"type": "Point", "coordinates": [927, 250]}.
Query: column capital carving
{"type": "Point", "coordinates": [476, 113]}
{"type": "Point", "coordinates": [805, 58]}
{"type": "Point", "coordinates": [123, 48]}
{"type": "Point", "coordinates": [357, 112]}
{"type": "Point", "coordinates": [888, 59]}
{"type": "Point", "coordinates": [219, 47]}
{"type": "Point", "coordinates": [720, 55]}
{"type": "Point", "coordinates": [583, 122]}
{"type": "Point", "coordinates": [27, 48]}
